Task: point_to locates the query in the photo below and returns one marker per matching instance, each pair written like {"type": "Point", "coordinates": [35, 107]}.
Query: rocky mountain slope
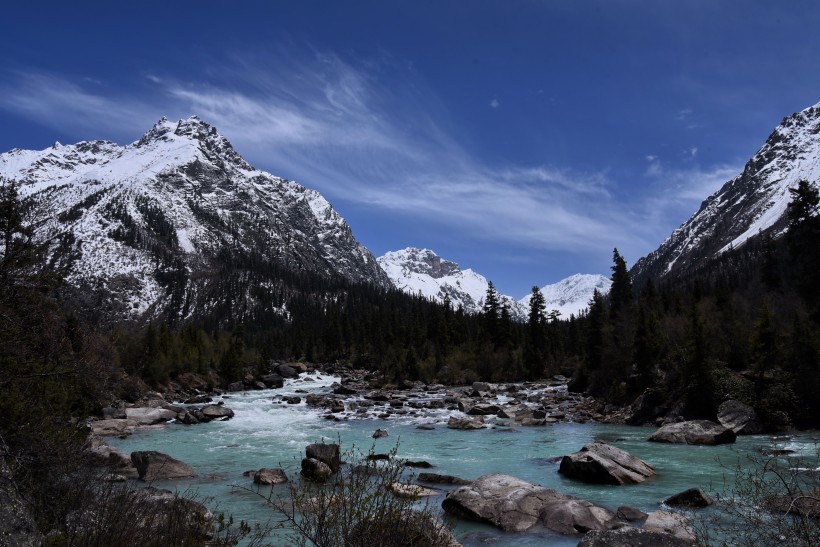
{"type": "Point", "coordinates": [422, 271]}
{"type": "Point", "coordinates": [178, 222]}
{"type": "Point", "coordinates": [752, 203]}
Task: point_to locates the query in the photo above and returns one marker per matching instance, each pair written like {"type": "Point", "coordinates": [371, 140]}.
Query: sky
{"type": "Point", "coordinates": [523, 139]}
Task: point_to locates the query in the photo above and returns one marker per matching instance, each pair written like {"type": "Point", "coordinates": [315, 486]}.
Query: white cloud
{"type": "Point", "coordinates": [494, 103]}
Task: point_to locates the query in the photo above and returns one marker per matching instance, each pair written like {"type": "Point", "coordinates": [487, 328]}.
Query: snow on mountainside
{"type": "Point", "coordinates": [751, 203]}
{"type": "Point", "coordinates": [571, 295]}
{"type": "Point", "coordinates": [159, 222]}
{"type": "Point", "coordinates": [421, 271]}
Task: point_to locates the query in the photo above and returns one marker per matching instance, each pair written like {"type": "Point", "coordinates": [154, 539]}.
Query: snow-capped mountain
{"type": "Point", "coordinates": [751, 203]}
{"type": "Point", "coordinates": [422, 271]}
{"type": "Point", "coordinates": [571, 295]}
{"type": "Point", "coordinates": [173, 218]}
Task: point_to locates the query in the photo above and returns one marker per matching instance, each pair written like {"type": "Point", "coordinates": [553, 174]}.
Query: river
{"type": "Point", "coordinates": [266, 432]}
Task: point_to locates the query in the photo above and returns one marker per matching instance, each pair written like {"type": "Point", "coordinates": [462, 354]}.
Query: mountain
{"type": "Point", "coordinates": [422, 271]}
{"type": "Point", "coordinates": [752, 203]}
{"type": "Point", "coordinates": [179, 223]}
{"type": "Point", "coordinates": [571, 295]}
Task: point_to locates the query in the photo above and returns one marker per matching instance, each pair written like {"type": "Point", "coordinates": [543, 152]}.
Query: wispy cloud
{"type": "Point", "coordinates": [349, 131]}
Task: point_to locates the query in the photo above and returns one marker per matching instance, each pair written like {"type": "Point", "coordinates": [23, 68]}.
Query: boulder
{"type": "Point", "coordinates": [286, 371]}
{"type": "Point", "coordinates": [630, 514]}
{"type": "Point", "coordinates": [156, 466]}
{"type": "Point", "coordinates": [694, 432]}
{"type": "Point", "coordinates": [270, 476]}
{"type": "Point", "coordinates": [113, 413]}
{"type": "Point", "coordinates": [236, 386]}
{"type": "Point", "coordinates": [646, 407]}
{"type": "Point", "coordinates": [631, 537]}
{"type": "Point", "coordinates": [693, 497]}
{"type": "Point", "coordinates": [404, 490]}
{"type": "Point", "coordinates": [272, 381]}
{"type": "Point", "coordinates": [512, 504]}
{"type": "Point", "coordinates": [329, 454]}
{"type": "Point", "coordinates": [379, 433]}
{"type": "Point", "coordinates": [294, 400]}
{"type": "Point", "coordinates": [435, 478]}
{"type": "Point", "coordinates": [217, 412]}
{"type": "Point", "coordinates": [739, 417]}
{"type": "Point", "coordinates": [420, 464]}
{"type": "Point", "coordinates": [670, 523]}
{"type": "Point", "coordinates": [117, 427]}
{"type": "Point", "coordinates": [465, 423]}
{"type": "Point", "coordinates": [602, 463]}
{"type": "Point", "coordinates": [150, 416]}
{"type": "Point", "coordinates": [315, 470]}
{"type": "Point", "coordinates": [481, 387]}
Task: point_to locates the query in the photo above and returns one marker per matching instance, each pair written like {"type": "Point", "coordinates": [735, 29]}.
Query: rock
{"type": "Point", "coordinates": [425, 427]}
{"type": "Point", "coordinates": [150, 416]}
{"type": "Point", "coordinates": [329, 454]}
{"type": "Point", "coordinates": [198, 400]}
{"type": "Point", "coordinates": [646, 408]}
{"type": "Point", "coordinates": [112, 413]}
{"type": "Point", "coordinates": [481, 387]}
{"type": "Point", "coordinates": [113, 427]}
{"type": "Point", "coordinates": [162, 509]}
{"type": "Point", "coordinates": [314, 399]}
{"type": "Point", "coordinates": [419, 464]}
{"type": "Point", "coordinates": [108, 456]}
{"type": "Point", "coordinates": [293, 400]}
{"type": "Point", "coordinates": [344, 390]}
{"type": "Point", "coordinates": [693, 497]}
{"type": "Point", "coordinates": [631, 537]}
{"type": "Point", "coordinates": [156, 466]}
{"type": "Point", "coordinates": [286, 371]}
{"type": "Point", "coordinates": [670, 523]}
{"type": "Point", "coordinates": [315, 470]}
{"type": "Point", "coordinates": [512, 504]}
{"type": "Point", "coordinates": [740, 418]}
{"type": "Point", "coordinates": [217, 412]}
{"type": "Point", "coordinates": [435, 478]}
{"type": "Point", "coordinates": [187, 418]}
{"type": "Point", "coordinates": [270, 476]}
{"type": "Point", "coordinates": [404, 490]}
{"type": "Point", "coordinates": [602, 463]}
{"type": "Point", "coordinates": [630, 513]}
{"type": "Point", "coordinates": [379, 433]}
{"type": "Point", "coordinates": [694, 432]}
{"type": "Point", "coordinates": [273, 381]}
{"type": "Point", "coordinates": [236, 386]}
{"type": "Point", "coordinates": [483, 410]}
{"type": "Point", "coordinates": [465, 423]}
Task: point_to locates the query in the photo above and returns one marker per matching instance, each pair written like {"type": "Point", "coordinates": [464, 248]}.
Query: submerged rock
{"type": "Point", "coordinates": [270, 476]}
{"type": "Point", "coordinates": [631, 537]}
{"type": "Point", "coordinates": [670, 523]}
{"type": "Point", "coordinates": [694, 432]}
{"type": "Point", "coordinates": [512, 504]}
{"type": "Point", "coordinates": [603, 463]}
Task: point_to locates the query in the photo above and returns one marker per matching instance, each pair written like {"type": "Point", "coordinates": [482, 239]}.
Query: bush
{"type": "Point", "coordinates": [768, 503]}
{"type": "Point", "coordinates": [357, 507]}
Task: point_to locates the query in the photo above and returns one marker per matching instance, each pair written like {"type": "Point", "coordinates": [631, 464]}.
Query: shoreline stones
{"type": "Point", "coordinates": [156, 466]}
{"type": "Point", "coordinates": [739, 417]}
{"type": "Point", "coordinates": [268, 476]}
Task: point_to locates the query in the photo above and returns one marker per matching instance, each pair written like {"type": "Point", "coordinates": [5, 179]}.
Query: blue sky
{"type": "Point", "coordinates": [524, 139]}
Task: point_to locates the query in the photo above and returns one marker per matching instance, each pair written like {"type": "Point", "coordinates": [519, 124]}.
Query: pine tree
{"type": "Point", "coordinates": [620, 293]}
{"type": "Point", "coordinates": [491, 314]}
{"type": "Point", "coordinates": [535, 346]}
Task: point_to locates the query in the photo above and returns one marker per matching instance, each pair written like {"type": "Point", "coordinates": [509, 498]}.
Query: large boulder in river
{"type": "Point", "coordinates": [217, 412]}
{"type": "Point", "coordinates": [512, 504]}
{"type": "Point", "coordinates": [315, 470]}
{"type": "Point", "coordinates": [602, 463]}
{"type": "Point", "coordinates": [694, 432]}
{"type": "Point", "coordinates": [693, 497]}
{"type": "Point", "coordinates": [156, 466]}
{"type": "Point", "coordinates": [465, 423]}
{"type": "Point", "coordinates": [329, 454]}
{"type": "Point", "coordinates": [270, 476]}
{"type": "Point", "coordinates": [739, 417]}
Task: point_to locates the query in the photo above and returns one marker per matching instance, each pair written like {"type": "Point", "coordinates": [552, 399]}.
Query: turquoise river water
{"type": "Point", "coordinates": [268, 433]}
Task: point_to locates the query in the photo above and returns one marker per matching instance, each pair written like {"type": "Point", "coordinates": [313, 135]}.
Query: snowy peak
{"type": "Point", "coordinates": [422, 271]}
{"type": "Point", "coordinates": [146, 226]}
{"type": "Point", "coordinates": [753, 202]}
{"type": "Point", "coordinates": [571, 295]}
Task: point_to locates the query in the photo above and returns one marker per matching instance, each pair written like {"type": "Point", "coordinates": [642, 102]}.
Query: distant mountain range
{"type": "Point", "coordinates": [752, 203]}
{"type": "Point", "coordinates": [422, 271]}
{"type": "Point", "coordinates": [177, 223]}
